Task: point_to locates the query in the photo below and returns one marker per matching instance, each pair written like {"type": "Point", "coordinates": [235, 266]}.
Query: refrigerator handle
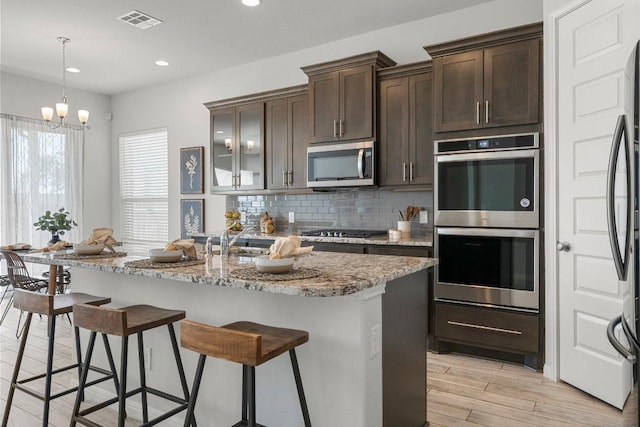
{"type": "Point", "coordinates": [619, 134]}
{"type": "Point", "coordinates": [633, 340]}
{"type": "Point", "coordinates": [617, 344]}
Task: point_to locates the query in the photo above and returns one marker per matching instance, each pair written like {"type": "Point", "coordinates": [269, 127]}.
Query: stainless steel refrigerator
{"type": "Point", "coordinates": [623, 185]}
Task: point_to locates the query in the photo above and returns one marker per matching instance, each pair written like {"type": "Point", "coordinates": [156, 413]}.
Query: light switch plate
{"type": "Point", "coordinates": [424, 217]}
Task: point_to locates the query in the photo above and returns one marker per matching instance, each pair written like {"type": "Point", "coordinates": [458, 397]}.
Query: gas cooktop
{"type": "Point", "coordinates": [344, 233]}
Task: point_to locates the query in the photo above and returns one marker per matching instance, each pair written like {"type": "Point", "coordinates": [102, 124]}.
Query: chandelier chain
{"type": "Point", "coordinates": [64, 68]}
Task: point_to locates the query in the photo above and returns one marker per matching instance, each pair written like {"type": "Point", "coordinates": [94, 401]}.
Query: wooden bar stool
{"type": "Point", "coordinates": [124, 322]}
{"type": "Point", "coordinates": [52, 305]}
{"type": "Point", "coordinates": [248, 343]}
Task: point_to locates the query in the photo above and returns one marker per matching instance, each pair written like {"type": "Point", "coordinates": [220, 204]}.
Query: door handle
{"type": "Point", "coordinates": [477, 113]}
{"type": "Point", "coordinates": [617, 344]}
{"type": "Point", "coordinates": [486, 111]}
{"type": "Point", "coordinates": [620, 260]}
{"type": "Point", "coordinates": [290, 180]}
{"type": "Point", "coordinates": [410, 171]}
{"type": "Point", "coordinates": [563, 246]}
{"type": "Point", "coordinates": [335, 128]}
{"type": "Point", "coordinates": [404, 171]}
{"type": "Point", "coordinates": [361, 165]}
{"type": "Point", "coordinates": [341, 133]}
{"type": "Point", "coordinates": [284, 177]}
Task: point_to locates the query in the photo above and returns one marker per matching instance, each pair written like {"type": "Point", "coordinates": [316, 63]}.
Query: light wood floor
{"type": "Point", "coordinates": [469, 391]}
{"type": "Point", "coordinates": [462, 390]}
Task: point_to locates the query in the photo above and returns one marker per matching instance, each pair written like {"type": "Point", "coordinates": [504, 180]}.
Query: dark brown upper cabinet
{"type": "Point", "coordinates": [488, 81]}
{"type": "Point", "coordinates": [287, 131]}
{"type": "Point", "coordinates": [406, 125]}
{"type": "Point", "coordinates": [342, 97]}
{"type": "Point", "coordinates": [237, 148]}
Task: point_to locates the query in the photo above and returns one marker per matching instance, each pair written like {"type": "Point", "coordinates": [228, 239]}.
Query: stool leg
{"type": "Point", "coordinates": [123, 381]}
{"type": "Point", "coordinates": [83, 378]}
{"type": "Point", "coordinates": [245, 417]}
{"type": "Point", "coordinates": [76, 332]}
{"type": "Point", "coordinates": [112, 365]}
{"type": "Point", "coordinates": [6, 309]}
{"type": "Point", "coordinates": [47, 384]}
{"type": "Point", "coordinates": [16, 371]}
{"type": "Point", "coordinates": [194, 391]}
{"type": "Point", "coordinates": [251, 385]}
{"type": "Point", "coordinates": [296, 374]}
{"type": "Point", "coordinates": [143, 379]}
{"type": "Point", "coordinates": [176, 354]}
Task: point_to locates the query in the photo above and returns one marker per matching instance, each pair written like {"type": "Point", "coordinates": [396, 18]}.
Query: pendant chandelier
{"type": "Point", "coordinates": [62, 107]}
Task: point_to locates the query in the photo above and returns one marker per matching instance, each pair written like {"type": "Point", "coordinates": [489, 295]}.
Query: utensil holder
{"type": "Point", "coordinates": [405, 229]}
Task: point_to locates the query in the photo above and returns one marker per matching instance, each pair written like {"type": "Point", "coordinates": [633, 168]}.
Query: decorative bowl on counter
{"type": "Point", "coordinates": [160, 255]}
{"type": "Point", "coordinates": [84, 249]}
{"type": "Point", "coordinates": [264, 264]}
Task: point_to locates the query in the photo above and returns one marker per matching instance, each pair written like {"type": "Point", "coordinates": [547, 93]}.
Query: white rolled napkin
{"type": "Point", "coordinates": [287, 247]}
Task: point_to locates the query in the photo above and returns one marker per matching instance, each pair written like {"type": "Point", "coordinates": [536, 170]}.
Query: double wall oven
{"type": "Point", "coordinates": [487, 219]}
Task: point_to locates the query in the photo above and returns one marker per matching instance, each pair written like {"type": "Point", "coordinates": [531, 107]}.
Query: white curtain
{"type": "Point", "coordinates": [40, 169]}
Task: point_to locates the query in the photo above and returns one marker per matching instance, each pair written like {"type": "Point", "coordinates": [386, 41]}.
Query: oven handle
{"type": "Point", "coordinates": [620, 263]}
{"type": "Point", "coordinates": [361, 165]}
{"type": "Point", "coordinates": [488, 155]}
{"type": "Point", "coordinates": [617, 344]}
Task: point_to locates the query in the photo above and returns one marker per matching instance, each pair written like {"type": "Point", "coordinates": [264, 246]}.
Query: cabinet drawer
{"type": "Point", "coordinates": [488, 328]}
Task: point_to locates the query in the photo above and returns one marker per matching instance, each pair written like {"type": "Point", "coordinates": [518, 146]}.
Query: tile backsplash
{"type": "Point", "coordinates": [361, 209]}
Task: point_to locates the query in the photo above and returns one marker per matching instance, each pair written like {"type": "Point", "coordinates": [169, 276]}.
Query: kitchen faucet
{"type": "Point", "coordinates": [225, 244]}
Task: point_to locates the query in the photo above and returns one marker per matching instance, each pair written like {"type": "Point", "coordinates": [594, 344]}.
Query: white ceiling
{"type": "Point", "coordinates": [196, 36]}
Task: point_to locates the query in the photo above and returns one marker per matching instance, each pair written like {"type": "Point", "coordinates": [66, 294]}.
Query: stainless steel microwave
{"type": "Point", "coordinates": [341, 165]}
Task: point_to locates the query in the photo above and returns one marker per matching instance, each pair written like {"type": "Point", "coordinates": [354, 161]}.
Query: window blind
{"type": "Point", "coordinates": [144, 188]}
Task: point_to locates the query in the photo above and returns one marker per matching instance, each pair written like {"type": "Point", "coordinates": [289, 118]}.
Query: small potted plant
{"type": "Point", "coordinates": [56, 223]}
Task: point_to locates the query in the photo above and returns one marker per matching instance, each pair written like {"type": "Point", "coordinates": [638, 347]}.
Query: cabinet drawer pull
{"type": "Point", "coordinates": [486, 111]}
{"type": "Point", "coordinates": [410, 171]}
{"type": "Point", "coordinates": [477, 113]}
{"type": "Point", "coordinates": [335, 128]}
{"type": "Point", "coordinates": [487, 328]}
{"type": "Point", "coordinates": [404, 171]}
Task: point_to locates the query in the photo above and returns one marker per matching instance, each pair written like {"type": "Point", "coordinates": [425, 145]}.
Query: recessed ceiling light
{"type": "Point", "coordinates": [251, 3]}
{"type": "Point", "coordinates": [162, 63]}
{"type": "Point", "coordinates": [219, 131]}
{"type": "Point", "coordinates": [73, 70]}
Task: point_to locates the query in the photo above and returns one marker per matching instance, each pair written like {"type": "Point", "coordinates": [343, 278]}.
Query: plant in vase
{"type": "Point", "coordinates": [56, 223]}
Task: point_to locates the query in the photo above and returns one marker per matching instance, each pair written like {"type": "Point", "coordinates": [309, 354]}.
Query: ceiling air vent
{"type": "Point", "coordinates": [139, 19]}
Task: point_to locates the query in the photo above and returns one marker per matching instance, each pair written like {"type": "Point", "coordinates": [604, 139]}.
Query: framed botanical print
{"type": "Point", "coordinates": [191, 170]}
{"type": "Point", "coordinates": [191, 217]}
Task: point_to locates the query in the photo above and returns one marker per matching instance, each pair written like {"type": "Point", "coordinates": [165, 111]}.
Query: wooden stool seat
{"type": "Point", "coordinates": [241, 342]}
{"type": "Point", "coordinates": [250, 344]}
{"type": "Point", "coordinates": [52, 305]}
{"type": "Point", "coordinates": [123, 322]}
{"type": "Point", "coordinates": [49, 305]}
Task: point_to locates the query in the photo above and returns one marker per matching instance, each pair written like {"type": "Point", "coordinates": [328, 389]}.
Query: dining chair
{"type": "Point", "coordinates": [19, 278]}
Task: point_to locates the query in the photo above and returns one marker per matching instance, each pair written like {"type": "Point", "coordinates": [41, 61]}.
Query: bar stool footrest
{"type": "Point", "coordinates": [245, 424]}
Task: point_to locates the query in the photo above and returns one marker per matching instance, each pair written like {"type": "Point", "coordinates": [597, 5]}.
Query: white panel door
{"type": "Point", "coordinates": [594, 44]}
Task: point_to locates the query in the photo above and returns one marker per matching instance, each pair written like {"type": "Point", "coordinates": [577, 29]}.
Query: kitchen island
{"type": "Point", "coordinates": [365, 362]}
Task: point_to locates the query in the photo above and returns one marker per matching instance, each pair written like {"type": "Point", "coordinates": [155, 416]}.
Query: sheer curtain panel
{"type": "Point", "coordinates": [40, 169]}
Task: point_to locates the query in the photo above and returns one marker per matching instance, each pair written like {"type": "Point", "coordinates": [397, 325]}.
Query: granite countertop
{"type": "Point", "coordinates": [331, 276]}
{"type": "Point", "coordinates": [422, 241]}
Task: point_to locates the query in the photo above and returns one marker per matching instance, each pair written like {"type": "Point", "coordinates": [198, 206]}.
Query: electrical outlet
{"type": "Point", "coordinates": [375, 341]}
{"type": "Point", "coordinates": [243, 216]}
{"type": "Point", "coordinates": [292, 217]}
{"type": "Point", "coordinates": [147, 358]}
{"type": "Point", "coordinates": [424, 217]}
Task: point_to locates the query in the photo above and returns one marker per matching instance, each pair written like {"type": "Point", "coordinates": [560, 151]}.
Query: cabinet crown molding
{"type": "Point", "coordinates": [260, 96]}
{"type": "Point", "coordinates": [524, 32]}
{"type": "Point", "coordinates": [375, 58]}
{"type": "Point", "coordinates": [406, 69]}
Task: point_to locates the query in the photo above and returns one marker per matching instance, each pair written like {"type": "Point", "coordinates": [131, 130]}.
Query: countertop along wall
{"type": "Point", "coordinates": [23, 96]}
{"type": "Point", "coordinates": [179, 105]}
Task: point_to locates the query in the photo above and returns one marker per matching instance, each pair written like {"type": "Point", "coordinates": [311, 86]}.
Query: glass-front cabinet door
{"type": "Point", "coordinates": [237, 148]}
{"type": "Point", "coordinates": [250, 156]}
{"type": "Point", "coordinates": [222, 139]}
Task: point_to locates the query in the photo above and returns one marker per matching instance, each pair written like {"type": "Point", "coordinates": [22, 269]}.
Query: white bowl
{"type": "Point", "coordinates": [83, 249]}
{"type": "Point", "coordinates": [160, 255]}
{"type": "Point", "coordinates": [264, 264]}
